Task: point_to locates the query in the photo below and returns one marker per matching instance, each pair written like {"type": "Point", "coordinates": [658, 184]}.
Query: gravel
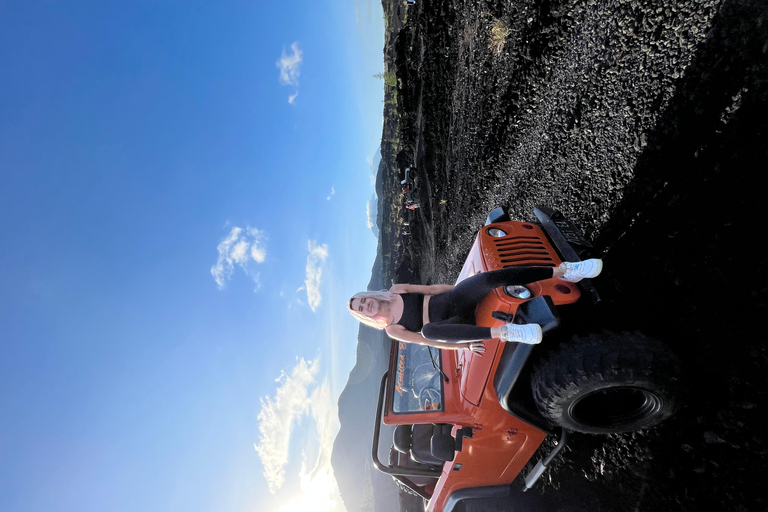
{"type": "Point", "coordinates": [645, 123]}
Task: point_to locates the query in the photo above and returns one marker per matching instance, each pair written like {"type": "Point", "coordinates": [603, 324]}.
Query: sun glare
{"type": "Point", "coordinates": [319, 494]}
{"type": "Point", "coordinates": [304, 503]}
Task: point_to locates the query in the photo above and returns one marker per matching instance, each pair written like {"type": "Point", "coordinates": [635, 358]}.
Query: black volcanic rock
{"type": "Point", "coordinates": [644, 122]}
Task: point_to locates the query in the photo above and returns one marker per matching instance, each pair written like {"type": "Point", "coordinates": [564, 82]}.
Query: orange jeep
{"type": "Point", "coordinates": [467, 425]}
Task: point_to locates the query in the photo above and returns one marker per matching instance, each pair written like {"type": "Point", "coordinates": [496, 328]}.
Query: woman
{"type": "Point", "coordinates": [443, 316]}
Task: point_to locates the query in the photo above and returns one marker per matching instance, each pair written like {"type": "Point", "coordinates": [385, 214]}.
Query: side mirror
{"type": "Point", "coordinates": [497, 215]}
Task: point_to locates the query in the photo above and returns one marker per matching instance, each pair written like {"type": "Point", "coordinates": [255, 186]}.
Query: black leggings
{"type": "Point", "coordinates": [452, 314]}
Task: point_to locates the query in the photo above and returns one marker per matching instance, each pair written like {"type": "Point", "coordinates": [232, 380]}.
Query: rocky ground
{"type": "Point", "coordinates": [645, 123]}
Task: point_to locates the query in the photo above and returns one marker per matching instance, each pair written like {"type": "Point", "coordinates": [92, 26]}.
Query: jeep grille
{"type": "Point", "coordinates": [516, 250]}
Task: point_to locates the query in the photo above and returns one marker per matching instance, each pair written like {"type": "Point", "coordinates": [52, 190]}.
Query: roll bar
{"type": "Point", "coordinates": [386, 468]}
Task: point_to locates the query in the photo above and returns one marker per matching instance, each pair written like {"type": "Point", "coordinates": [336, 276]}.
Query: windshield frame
{"type": "Point", "coordinates": [413, 371]}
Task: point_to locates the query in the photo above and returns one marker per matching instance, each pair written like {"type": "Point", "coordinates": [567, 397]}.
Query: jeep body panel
{"type": "Point", "coordinates": [468, 373]}
{"type": "Point", "coordinates": [500, 446]}
{"type": "Point", "coordinates": [473, 388]}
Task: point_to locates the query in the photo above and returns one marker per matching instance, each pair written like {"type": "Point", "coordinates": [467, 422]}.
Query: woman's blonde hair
{"type": "Point", "coordinates": [381, 319]}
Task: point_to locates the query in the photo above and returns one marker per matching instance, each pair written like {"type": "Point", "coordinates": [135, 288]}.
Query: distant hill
{"type": "Point", "coordinates": [372, 206]}
{"type": "Point", "coordinates": [363, 489]}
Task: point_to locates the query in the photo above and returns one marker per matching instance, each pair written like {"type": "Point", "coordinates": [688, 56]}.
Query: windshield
{"type": "Point", "coordinates": [418, 383]}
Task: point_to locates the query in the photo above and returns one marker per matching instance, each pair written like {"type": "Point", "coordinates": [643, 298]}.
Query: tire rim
{"type": "Point", "coordinates": [616, 407]}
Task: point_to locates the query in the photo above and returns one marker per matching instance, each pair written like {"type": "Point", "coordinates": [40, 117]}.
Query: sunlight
{"type": "Point", "coordinates": [320, 493]}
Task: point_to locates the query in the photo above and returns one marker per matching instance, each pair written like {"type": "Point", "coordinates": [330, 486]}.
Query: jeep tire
{"type": "Point", "coordinates": [607, 383]}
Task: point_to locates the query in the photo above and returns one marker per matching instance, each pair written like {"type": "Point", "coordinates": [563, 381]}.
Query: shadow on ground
{"type": "Point", "coordinates": [685, 263]}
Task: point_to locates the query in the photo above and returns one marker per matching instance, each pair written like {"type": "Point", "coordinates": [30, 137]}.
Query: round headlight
{"type": "Point", "coordinates": [518, 291]}
{"type": "Point", "coordinates": [496, 232]}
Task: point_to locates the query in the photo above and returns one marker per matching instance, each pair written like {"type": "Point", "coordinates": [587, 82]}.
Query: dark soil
{"type": "Point", "coordinates": [644, 122]}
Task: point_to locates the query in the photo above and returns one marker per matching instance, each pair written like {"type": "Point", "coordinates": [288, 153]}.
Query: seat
{"type": "Point", "coordinates": [430, 443]}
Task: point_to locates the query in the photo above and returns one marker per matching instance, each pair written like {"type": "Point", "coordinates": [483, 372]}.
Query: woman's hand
{"type": "Point", "coordinates": [478, 347]}
{"type": "Point", "coordinates": [400, 333]}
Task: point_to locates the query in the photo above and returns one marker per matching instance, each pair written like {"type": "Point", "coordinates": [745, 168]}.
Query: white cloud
{"type": "Point", "coordinates": [314, 271]}
{"type": "Point", "coordinates": [371, 209]}
{"type": "Point", "coordinates": [366, 15]}
{"type": "Point", "coordinates": [239, 251]}
{"type": "Point", "coordinates": [297, 396]}
{"type": "Point", "coordinates": [290, 65]}
{"type": "Point", "coordinates": [373, 164]}
{"type": "Point", "coordinates": [258, 251]}
{"type": "Point", "coordinates": [326, 419]}
{"type": "Point", "coordinates": [224, 267]}
{"type": "Point", "coordinates": [290, 69]}
{"type": "Point", "coordinates": [333, 191]}
{"type": "Point", "coordinates": [319, 489]}
{"type": "Point", "coordinates": [242, 248]}
{"type": "Point", "coordinates": [276, 419]}
{"type": "Point", "coordinates": [319, 493]}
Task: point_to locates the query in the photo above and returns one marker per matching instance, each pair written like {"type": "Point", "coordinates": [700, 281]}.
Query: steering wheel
{"type": "Point", "coordinates": [429, 399]}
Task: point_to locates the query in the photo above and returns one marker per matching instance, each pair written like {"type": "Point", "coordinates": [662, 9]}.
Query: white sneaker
{"type": "Point", "coordinates": [530, 334]}
{"type": "Point", "coordinates": [575, 272]}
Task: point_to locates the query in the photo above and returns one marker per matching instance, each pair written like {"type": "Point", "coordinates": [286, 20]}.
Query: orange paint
{"type": "Point", "coordinates": [501, 444]}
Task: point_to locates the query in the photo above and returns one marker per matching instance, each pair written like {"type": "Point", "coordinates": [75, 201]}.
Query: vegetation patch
{"type": "Point", "coordinates": [498, 36]}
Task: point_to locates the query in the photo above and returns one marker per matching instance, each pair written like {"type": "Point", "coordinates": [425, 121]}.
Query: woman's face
{"type": "Point", "coordinates": [365, 305]}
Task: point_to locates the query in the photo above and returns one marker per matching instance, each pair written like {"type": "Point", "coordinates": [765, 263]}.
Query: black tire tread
{"type": "Point", "coordinates": [602, 359]}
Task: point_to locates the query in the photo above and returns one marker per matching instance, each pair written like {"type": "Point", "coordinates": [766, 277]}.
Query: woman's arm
{"type": "Point", "coordinates": [432, 289]}
{"type": "Point", "coordinates": [400, 333]}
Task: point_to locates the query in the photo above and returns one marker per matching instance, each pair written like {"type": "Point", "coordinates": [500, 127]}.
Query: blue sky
{"type": "Point", "coordinates": [183, 214]}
